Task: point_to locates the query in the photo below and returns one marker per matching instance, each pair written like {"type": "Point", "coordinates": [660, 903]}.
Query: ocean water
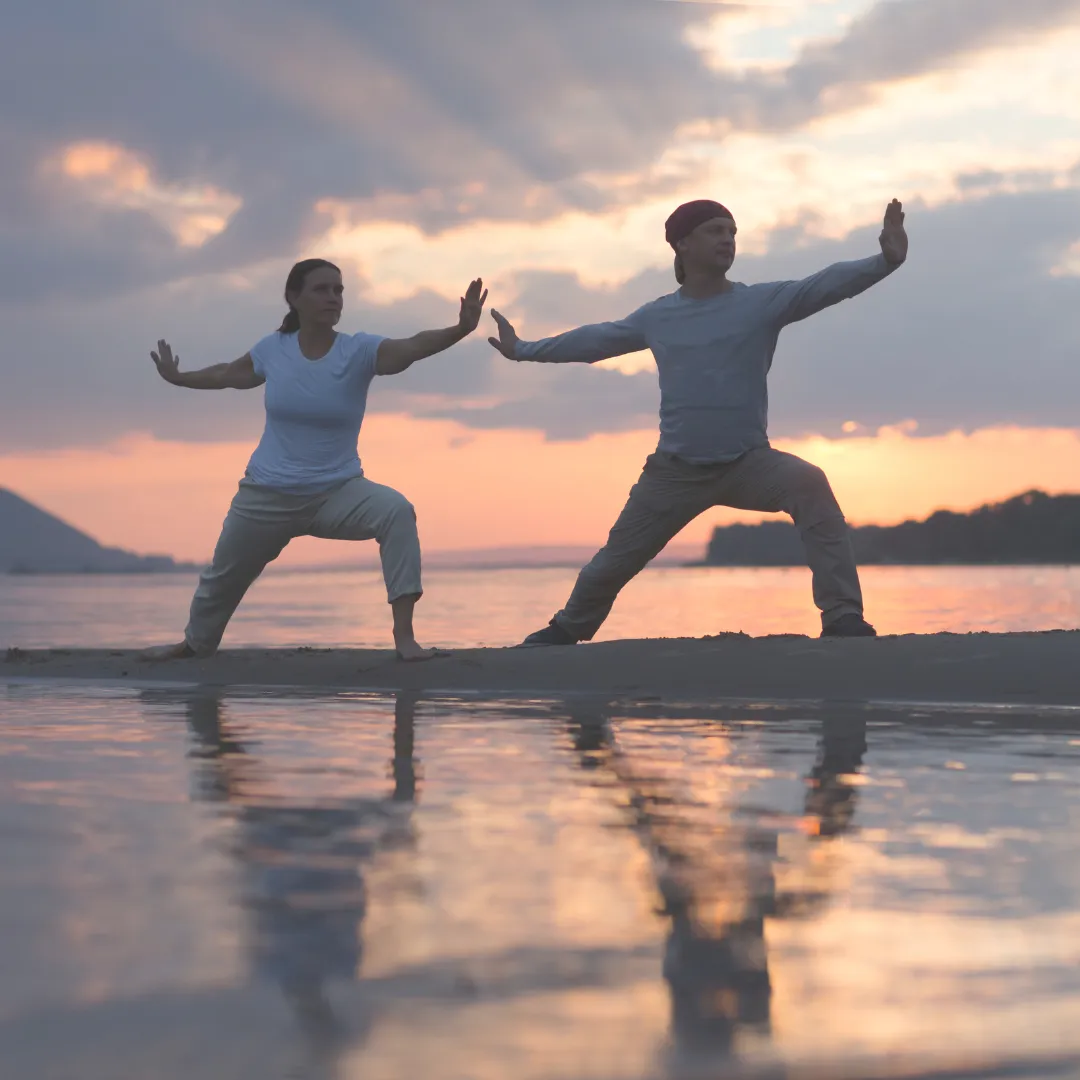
{"type": "Point", "coordinates": [200, 884]}
{"type": "Point", "coordinates": [464, 608]}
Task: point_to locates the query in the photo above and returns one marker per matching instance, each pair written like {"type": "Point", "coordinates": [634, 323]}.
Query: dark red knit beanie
{"type": "Point", "coordinates": [689, 216]}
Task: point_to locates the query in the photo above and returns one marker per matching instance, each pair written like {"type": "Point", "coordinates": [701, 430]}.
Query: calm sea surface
{"type": "Point", "coordinates": [209, 886]}
{"type": "Point", "coordinates": [463, 608]}
{"type": "Point", "coordinates": [197, 884]}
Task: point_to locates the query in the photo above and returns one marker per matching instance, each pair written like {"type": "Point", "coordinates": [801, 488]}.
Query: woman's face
{"type": "Point", "coordinates": [320, 299]}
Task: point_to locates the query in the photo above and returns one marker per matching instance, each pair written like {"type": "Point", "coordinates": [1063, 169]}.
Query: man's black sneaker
{"type": "Point", "coordinates": [850, 625]}
{"type": "Point", "coordinates": [552, 634]}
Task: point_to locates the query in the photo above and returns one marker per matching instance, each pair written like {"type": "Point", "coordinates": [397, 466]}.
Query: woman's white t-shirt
{"type": "Point", "coordinates": [314, 409]}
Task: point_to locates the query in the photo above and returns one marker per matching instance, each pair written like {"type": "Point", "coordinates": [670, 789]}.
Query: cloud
{"type": "Point", "coordinates": [427, 113]}
{"type": "Point", "coordinates": [109, 177]}
{"type": "Point", "coordinates": [178, 158]}
{"type": "Point", "coordinates": [898, 40]}
{"type": "Point", "coordinates": [981, 327]}
{"type": "Point", "coordinates": [284, 106]}
{"type": "Point", "coordinates": [565, 404]}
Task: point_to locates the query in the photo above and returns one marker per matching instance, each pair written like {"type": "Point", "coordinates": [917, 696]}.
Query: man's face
{"type": "Point", "coordinates": [710, 247]}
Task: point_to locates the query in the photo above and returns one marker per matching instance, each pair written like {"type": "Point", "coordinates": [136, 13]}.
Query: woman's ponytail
{"type": "Point", "coordinates": [291, 323]}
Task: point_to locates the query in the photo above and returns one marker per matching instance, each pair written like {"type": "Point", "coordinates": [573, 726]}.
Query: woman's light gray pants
{"type": "Point", "coordinates": [261, 521]}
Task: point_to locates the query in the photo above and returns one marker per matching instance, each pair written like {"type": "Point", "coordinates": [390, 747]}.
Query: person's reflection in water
{"type": "Point", "coordinates": [830, 791]}
{"type": "Point", "coordinates": [717, 881]}
{"type": "Point", "coordinates": [304, 893]}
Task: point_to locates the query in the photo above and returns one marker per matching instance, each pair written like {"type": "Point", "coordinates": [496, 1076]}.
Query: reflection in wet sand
{"type": "Point", "coordinates": [303, 864]}
{"type": "Point", "coordinates": [715, 875]}
{"type": "Point", "coordinates": [312, 868]}
{"type": "Point", "coordinates": [277, 887]}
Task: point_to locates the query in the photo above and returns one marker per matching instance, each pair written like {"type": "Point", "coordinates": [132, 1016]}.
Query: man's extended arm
{"type": "Point", "coordinates": [795, 300]}
{"type": "Point", "coordinates": [585, 345]}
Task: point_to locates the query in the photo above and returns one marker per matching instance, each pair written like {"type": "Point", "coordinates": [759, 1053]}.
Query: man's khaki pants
{"type": "Point", "coordinates": [261, 521]}
{"type": "Point", "coordinates": [672, 492]}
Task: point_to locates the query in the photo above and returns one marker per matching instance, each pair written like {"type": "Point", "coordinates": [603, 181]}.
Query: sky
{"type": "Point", "coordinates": [162, 166]}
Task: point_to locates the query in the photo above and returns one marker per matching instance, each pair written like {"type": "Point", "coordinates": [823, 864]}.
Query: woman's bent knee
{"type": "Point", "coordinates": [400, 510]}
{"type": "Point", "coordinates": [396, 519]}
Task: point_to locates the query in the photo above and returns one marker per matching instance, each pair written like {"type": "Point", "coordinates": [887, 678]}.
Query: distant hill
{"type": "Point", "coordinates": [1029, 528]}
{"type": "Point", "coordinates": [34, 542]}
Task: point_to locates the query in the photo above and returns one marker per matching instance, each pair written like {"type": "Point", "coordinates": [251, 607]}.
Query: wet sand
{"type": "Point", "coordinates": [1037, 668]}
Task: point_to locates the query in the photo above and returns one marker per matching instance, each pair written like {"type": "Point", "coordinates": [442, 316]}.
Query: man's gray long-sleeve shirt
{"type": "Point", "coordinates": [713, 355]}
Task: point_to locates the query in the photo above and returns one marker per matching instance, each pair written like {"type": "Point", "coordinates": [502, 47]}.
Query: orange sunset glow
{"type": "Point", "coordinates": [477, 489]}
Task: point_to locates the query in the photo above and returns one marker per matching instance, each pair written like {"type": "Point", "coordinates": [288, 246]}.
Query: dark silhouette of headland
{"type": "Point", "coordinates": [33, 541]}
{"type": "Point", "coordinates": [1032, 528]}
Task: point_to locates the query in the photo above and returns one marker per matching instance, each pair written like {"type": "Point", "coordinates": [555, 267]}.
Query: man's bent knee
{"type": "Point", "coordinates": [813, 481]}
{"type": "Point", "coordinates": [608, 570]}
{"type": "Point", "coordinates": [812, 500]}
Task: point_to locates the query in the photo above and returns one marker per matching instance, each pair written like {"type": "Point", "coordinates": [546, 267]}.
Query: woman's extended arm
{"type": "Point", "coordinates": [397, 354]}
{"type": "Point", "coordinates": [238, 375]}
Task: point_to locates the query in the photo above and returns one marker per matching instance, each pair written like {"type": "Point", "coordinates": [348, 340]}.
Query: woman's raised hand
{"type": "Point", "coordinates": [472, 306]}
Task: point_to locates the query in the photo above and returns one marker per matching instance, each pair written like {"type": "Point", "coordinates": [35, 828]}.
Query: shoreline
{"type": "Point", "coordinates": [1038, 669]}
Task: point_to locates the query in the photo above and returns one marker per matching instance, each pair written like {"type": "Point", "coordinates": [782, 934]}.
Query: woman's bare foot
{"type": "Point", "coordinates": [179, 651]}
{"type": "Point", "coordinates": [409, 650]}
{"type": "Point", "coordinates": [404, 637]}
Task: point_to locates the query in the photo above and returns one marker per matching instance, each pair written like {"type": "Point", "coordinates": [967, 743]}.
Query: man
{"type": "Point", "coordinates": [713, 340]}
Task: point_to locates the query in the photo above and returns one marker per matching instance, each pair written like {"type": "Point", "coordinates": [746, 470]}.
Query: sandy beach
{"type": "Point", "coordinates": [1037, 669]}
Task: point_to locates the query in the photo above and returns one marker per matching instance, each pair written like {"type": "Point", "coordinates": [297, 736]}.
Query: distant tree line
{"type": "Point", "coordinates": [1030, 528]}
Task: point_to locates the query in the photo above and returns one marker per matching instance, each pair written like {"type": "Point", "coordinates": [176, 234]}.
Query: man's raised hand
{"type": "Point", "coordinates": [893, 238]}
{"type": "Point", "coordinates": [472, 306]}
{"type": "Point", "coordinates": [507, 340]}
{"type": "Point", "coordinates": [168, 366]}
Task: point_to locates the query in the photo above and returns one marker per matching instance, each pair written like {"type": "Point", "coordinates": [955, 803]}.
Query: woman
{"type": "Point", "coordinates": [304, 478]}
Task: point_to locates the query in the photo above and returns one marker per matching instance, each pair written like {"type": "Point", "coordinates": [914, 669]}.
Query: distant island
{"type": "Point", "coordinates": [33, 541]}
{"type": "Point", "coordinates": [1032, 528]}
